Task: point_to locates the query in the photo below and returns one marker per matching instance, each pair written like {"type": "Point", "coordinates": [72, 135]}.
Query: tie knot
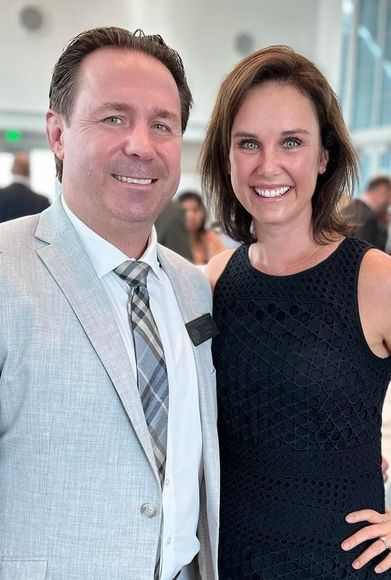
{"type": "Point", "coordinates": [135, 273]}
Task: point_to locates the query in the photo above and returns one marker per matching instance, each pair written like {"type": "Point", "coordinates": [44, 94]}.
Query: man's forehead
{"type": "Point", "coordinates": [110, 67]}
{"type": "Point", "coordinates": [121, 57]}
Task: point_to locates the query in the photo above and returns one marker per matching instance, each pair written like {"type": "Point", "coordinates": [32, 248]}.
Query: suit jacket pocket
{"type": "Point", "coordinates": [22, 568]}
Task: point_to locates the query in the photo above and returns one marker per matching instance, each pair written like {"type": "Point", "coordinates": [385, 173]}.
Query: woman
{"type": "Point", "coordinates": [303, 356]}
{"type": "Point", "coordinates": [204, 244]}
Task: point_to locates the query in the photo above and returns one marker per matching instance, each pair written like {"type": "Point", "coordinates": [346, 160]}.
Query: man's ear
{"type": "Point", "coordinates": [54, 132]}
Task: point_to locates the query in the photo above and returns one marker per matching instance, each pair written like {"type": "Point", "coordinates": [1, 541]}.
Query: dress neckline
{"type": "Point", "coordinates": [295, 274]}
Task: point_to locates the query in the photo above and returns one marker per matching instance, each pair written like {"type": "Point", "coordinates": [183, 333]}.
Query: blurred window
{"type": "Point", "coordinates": [366, 63]}
{"type": "Point", "coordinates": [385, 106]}
{"type": "Point", "coordinates": [365, 87]}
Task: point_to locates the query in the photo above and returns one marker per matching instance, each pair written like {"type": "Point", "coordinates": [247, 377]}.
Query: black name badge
{"type": "Point", "coordinates": [202, 329]}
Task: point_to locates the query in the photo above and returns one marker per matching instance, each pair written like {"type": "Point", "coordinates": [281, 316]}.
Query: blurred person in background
{"type": "Point", "coordinates": [18, 199]}
{"type": "Point", "coordinates": [224, 238]}
{"type": "Point", "coordinates": [370, 212]}
{"type": "Point", "coordinates": [204, 243]}
{"type": "Point", "coordinates": [171, 230]}
{"type": "Point", "coordinates": [388, 220]}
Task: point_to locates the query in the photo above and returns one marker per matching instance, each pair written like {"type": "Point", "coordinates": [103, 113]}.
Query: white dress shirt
{"type": "Point", "coordinates": [180, 495]}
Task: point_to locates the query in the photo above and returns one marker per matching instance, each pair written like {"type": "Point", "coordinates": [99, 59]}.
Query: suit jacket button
{"type": "Point", "coordinates": [148, 509]}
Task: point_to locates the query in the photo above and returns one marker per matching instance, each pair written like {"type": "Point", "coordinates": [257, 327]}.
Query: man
{"type": "Point", "coordinates": [102, 476]}
{"type": "Point", "coordinates": [18, 199]}
{"type": "Point", "coordinates": [369, 212]}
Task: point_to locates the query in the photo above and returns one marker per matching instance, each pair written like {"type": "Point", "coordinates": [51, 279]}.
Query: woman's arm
{"type": "Point", "coordinates": [374, 297]}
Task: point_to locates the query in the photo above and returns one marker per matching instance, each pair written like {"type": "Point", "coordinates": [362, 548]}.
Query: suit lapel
{"type": "Point", "coordinates": [66, 260]}
{"type": "Point", "coordinates": [183, 291]}
{"type": "Point", "coordinates": [190, 310]}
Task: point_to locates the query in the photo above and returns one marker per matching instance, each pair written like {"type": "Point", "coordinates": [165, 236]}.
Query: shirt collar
{"type": "Point", "coordinates": [104, 256]}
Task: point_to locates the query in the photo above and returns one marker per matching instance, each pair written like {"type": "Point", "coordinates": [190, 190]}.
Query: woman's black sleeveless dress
{"type": "Point", "coordinates": [300, 399]}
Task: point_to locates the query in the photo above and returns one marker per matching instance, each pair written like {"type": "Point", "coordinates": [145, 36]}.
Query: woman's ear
{"type": "Point", "coordinates": [324, 159]}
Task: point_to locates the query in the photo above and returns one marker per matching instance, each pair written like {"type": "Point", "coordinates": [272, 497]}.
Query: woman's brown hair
{"type": "Point", "coordinates": [279, 64]}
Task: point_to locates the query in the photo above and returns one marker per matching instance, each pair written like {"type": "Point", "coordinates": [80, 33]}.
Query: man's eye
{"type": "Point", "coordinates": [161, 127]}
{"type": "Point", "coordinates": [113, 120]}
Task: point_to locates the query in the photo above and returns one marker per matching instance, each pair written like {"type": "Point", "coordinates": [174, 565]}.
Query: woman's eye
{"type": "Point", "coordinates": [291, 143]}
{"type": "Point", "coordinates": [249, 145]}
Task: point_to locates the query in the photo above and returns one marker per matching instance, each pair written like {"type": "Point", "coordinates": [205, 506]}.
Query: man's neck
{"type": "Point", "coordinates": [21, 179]}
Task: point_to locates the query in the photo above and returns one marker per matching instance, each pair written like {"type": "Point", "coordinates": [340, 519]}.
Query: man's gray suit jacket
{"type": "Point", "coordinates": [78, 480]}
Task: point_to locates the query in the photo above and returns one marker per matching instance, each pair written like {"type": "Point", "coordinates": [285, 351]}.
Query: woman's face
{"type": "Point", "coordinates": [276, 155]}
{"type": "Point", "coordinates": [194, 215]}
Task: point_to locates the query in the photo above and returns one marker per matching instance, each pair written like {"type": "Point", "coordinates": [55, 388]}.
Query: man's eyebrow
{"type": "Point", "coordinates": [126, 108]}
{"type": "Point", "coordinates": [113, 106]}
{"type": "Point", "coordinates": [165, 114]}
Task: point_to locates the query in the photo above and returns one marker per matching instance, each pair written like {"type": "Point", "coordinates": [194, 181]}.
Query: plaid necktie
{"type": "Point", "coordinates": [151, 367]}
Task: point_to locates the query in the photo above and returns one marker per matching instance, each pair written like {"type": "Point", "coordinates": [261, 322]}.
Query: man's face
{"type": "Point", "coordinates": [121, 150]}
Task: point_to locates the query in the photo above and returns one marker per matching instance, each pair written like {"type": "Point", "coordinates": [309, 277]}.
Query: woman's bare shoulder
{"type": "Point", "coordinates": [376, 268]}
{"type": "Point", "coordinates": [216, 265]}
{"type": "Point", "coordinates": [374, 292]}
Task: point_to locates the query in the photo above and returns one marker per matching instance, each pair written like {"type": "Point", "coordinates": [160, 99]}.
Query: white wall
{"type": "Point", "coordinates": [27, 58]}
{"type": "Point", "coordinates": [203, 31]}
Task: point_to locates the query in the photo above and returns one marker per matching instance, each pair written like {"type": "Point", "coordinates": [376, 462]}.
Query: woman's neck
{"type": "Point", "coordinates": [279, 252]}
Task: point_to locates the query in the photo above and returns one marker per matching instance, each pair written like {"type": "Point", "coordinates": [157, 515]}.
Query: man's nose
{"type": "Point", "coordinates": [139, 142]}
